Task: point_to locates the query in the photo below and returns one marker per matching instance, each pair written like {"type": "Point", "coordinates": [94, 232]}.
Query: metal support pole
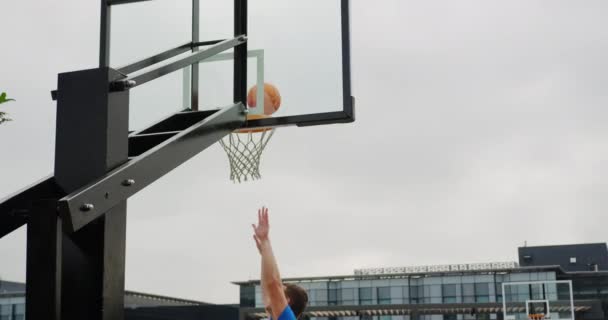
{"type": "Point", "coordinates": [84, 275]}
{"type": "Point", "coordinates": [240, 52]}
{"type": "Point", "coordinates": [43, 268]}
{"type": "Point", "coordinates": [196, 13]}
{"type": "Point", "coordinates": [104, 39]}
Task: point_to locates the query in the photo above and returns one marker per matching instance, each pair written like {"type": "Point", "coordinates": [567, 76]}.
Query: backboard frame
{"type": "Point", "coordinates": [527, 302]}
{"type": "Point", "coordinates": [546, 315]}
{"type": "Point", "coordinates": [346, 115]}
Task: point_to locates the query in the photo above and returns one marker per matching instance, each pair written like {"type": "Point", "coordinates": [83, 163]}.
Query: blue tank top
{"type": "Point", "coordinates": [287, 314]}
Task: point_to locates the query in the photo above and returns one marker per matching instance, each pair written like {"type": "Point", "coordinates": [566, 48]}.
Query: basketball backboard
{"type": "Point", "coordinates": [538, 300]}
{"type": "Point", "coordinates": [301, 47]}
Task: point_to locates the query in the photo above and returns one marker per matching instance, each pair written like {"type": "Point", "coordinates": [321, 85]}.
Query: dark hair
{"type": "Point", "coordinates": [298, 298]}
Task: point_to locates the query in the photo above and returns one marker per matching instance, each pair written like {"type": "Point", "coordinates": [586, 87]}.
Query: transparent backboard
{"type": "Point", "coordinates": [298, 66]}
{"type": "Point", "coordinates": [538, 300]}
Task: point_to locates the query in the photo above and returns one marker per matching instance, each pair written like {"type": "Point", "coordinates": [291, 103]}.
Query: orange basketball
{"type": "Point", "coordinates": [272, 98]}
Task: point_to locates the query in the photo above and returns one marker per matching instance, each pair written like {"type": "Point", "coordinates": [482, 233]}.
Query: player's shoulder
{"type": "Point", "coordinates": [287, 314]}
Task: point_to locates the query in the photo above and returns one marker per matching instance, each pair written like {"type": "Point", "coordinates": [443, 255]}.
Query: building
{"type": "Point", "coordinates": [460, 292]}
{"type": "Point", "coordinates": [560, 282]}
{"type": "Point", "coordinates": [138, 306]}
{"type": "Point", "coordinates": [12, 300]}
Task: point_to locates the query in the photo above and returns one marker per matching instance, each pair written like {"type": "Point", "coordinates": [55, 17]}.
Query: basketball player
{"type": "Point", "coordinates": [282, 301]}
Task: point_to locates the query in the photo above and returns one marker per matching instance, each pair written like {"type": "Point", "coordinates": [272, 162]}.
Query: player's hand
{"type": "Point", "coordinates": [260, 232]}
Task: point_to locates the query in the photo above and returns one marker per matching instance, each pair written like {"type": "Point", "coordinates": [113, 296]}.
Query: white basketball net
{"type": "Point", "coordinates": [244, 151]}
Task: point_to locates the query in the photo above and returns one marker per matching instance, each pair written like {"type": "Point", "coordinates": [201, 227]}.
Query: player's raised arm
{"type": "Point", "coordinates": [272, 285]}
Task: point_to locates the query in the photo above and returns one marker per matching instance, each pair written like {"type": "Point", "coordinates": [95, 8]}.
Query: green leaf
{"type": "Point", "coordinates": [3, 98]}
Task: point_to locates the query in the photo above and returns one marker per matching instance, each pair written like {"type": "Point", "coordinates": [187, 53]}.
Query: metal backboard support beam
{"type": "Point", "coordinates": [77, 271]}
{"type": "Point", "coordinates": [81, 276]}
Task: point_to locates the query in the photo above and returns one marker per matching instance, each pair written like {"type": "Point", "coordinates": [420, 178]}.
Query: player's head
{"type": "Point", "coordinates": [297, 298]}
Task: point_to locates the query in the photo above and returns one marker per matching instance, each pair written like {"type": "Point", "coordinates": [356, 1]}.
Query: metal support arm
{"type": "Point", "coordinates": [92, 201]}
{"type": "Point", "coordinates": [139, 65]}
{"type": "Point", "coordinates": [213, 50]}
{"type": "Point", "coordinates": [215, 47]}
{"type": "Point", "coordinates": [15, 209]}
{"type": "Point", "coordinates": [158, 58]}
{"type": "Point", "coordinates": [119, 2]}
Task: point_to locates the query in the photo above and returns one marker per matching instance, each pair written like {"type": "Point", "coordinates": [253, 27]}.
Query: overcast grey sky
{"type": "Point", "coordinates": [481, 125]}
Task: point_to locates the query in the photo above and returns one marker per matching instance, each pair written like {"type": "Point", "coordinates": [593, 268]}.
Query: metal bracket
{"type": "Point", "coordinates": [92, 201]}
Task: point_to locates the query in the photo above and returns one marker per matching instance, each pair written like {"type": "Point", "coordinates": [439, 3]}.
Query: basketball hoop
{"type": "Point", "coordinates": [244, 148]}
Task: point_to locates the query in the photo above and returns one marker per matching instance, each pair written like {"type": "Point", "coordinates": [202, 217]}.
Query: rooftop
{"type": "Point", "coordinates": [10, 289]}
{"type": "Point", "coordinates": [413, 275]}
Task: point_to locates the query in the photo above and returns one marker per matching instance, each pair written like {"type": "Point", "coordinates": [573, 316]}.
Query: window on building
{"type": "Point", "coordinates": [482, 292]}
{"type": "Point", "coordinates": [498, 292]}
{"type": "Point", "coordinates": [450, 317]}
{"type": "Point", "coordinates": [384, 295]}
{"type": "Point", "coordinates": [468, 292]}
{"type": "Point", "coordinates": [247, 296]}
{"type": "Point", "coordinates": [397, 295]}
{"type": "Point", "coordinates": [563, 291]}
{"type": "Point", "coordinates": [483, 316]}
{"type": "Point", "coordinates": [6, 310]}
{"type": "Point", "coordinates": [19, 312]}
{"type": "Point", "coordinates": [332, 297]}
{"type": "Point", "coordinates": [365, 296]}
{"type": "Point", "coordinates": [311, 297]}
{"type": "Point", "coordinates": [537, 291]}
{"type": "Point", "coordinates": [435, 295]}
{"type": "Point", "coordinates": [406, 294]}
{"type": "Point", "coordinates": [449, 293]}
{"type": "Point", "coordinates": [348, 297]}
{"type": "Point", "coordinates": [320, 297]}
{"type": "Point", "coordinates": [416, 294]}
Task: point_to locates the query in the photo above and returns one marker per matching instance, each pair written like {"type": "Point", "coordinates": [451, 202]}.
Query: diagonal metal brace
{"type": "Point", "coordinates": [15, 209]}
{"type": "Point", "coordinates": [93, 200]}
{"type": "Point", "coordinates": [199, 56]}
